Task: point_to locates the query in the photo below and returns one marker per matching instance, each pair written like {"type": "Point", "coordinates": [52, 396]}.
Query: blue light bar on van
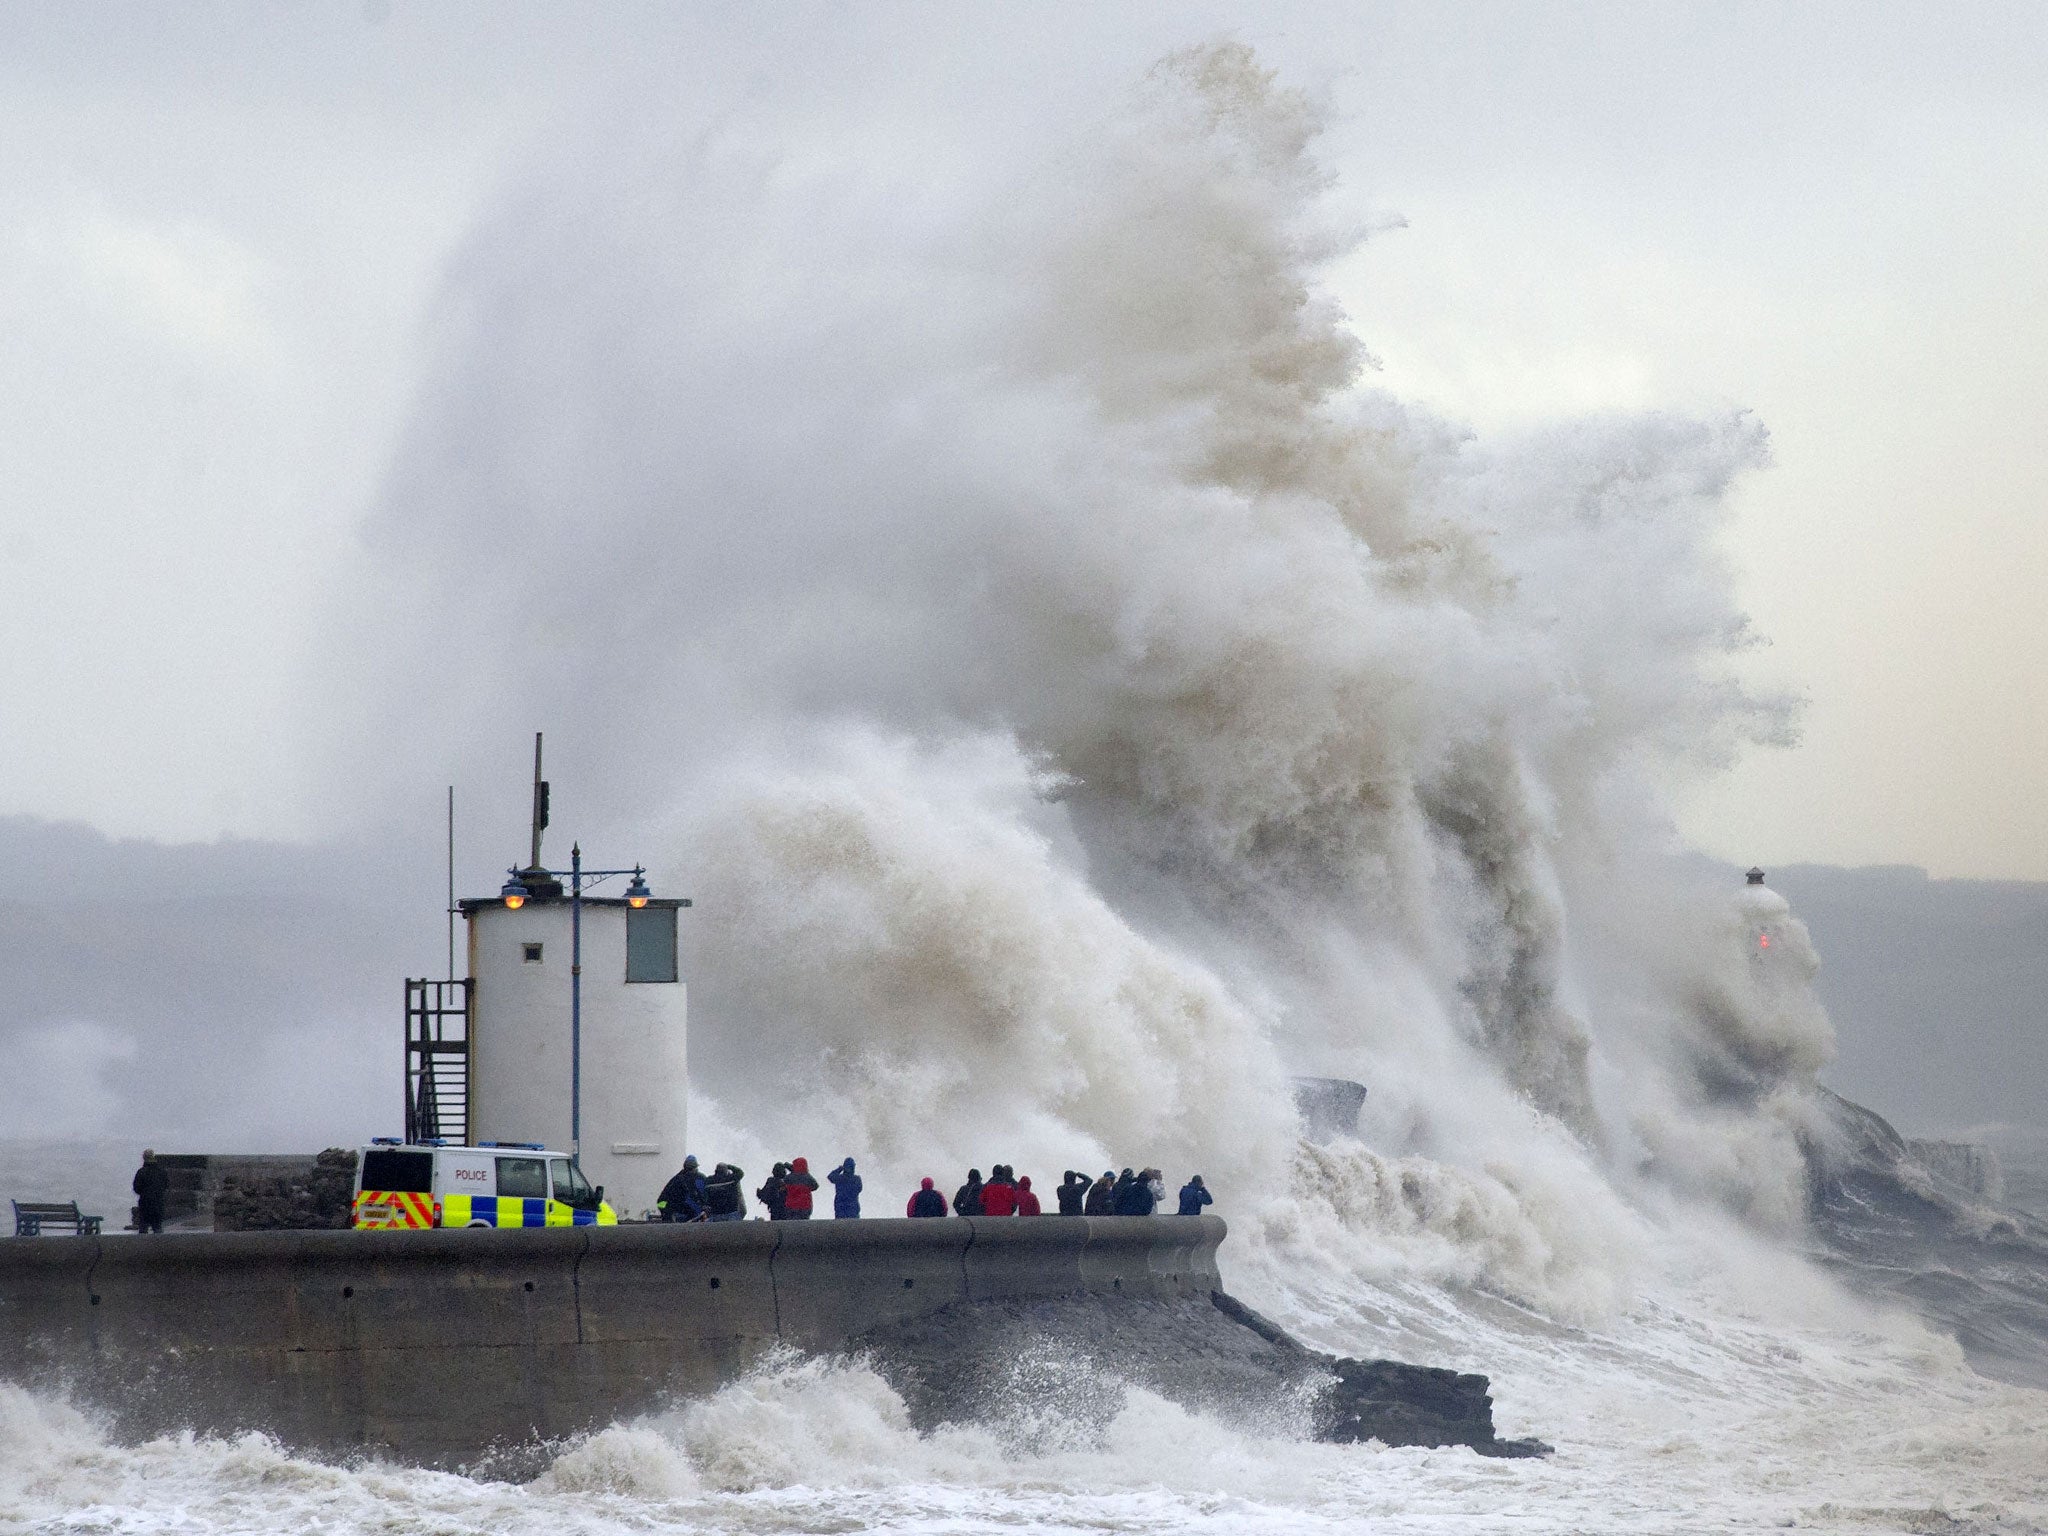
{"type": "Point", "coordinates": [386, 1141]}
{"type": "Point", "coordinates": [522, 1146]}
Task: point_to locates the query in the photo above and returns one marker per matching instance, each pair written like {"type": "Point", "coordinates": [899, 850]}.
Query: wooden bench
{"type": "Point", "coordinates": [32, 1216]}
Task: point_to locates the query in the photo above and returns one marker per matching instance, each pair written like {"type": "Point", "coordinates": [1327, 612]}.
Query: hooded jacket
{"type": "Point", "coordinates": [1101, 1198]}
{"type": "Point", "coordinates": [724, 1192]}
{"type": "Point", "coordinates": [772, 1194]}
{"type": "Point", "coordinates": [1072, 1191]}
{"type": "Point", "coordinates": [682, 1197]}
{"type": "Point", "coordinates": [967, 1198]}
{"type": "Point", "coordinates": [845, 1191]}
{"type": "Point", "coordinates": [796, 1191]}
{"type": "Point", "coordinates": [926, 1202]}
{"type": "Point", "coordinates": [1193, 1196]}
{"type": "Point", "coordinates": [1137, 1199]}
{"type": "Point", "coordinates": [1124, 1198]}
{"type": "Point", "coordinates": [1027, 1202]}
{"type": "Point", "coordinates": [999, 1196]}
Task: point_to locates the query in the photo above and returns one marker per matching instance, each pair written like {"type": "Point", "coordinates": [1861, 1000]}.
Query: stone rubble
{"type": "Point", "coordinates": [319, 1199]}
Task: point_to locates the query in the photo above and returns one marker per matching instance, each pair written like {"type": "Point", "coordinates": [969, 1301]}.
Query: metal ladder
{"type": "Point", "coordinates": [437, 1060]}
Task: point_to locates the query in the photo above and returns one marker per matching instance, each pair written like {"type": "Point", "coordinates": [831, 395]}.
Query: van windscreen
{"type": "Point", "coordinates": [409, 1173]}
{"type": "Point", "coordinates": [571, 1188]}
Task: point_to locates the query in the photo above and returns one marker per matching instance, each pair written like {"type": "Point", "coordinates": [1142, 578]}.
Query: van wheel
{"type": "Point", "coordinates": [479, 1223]}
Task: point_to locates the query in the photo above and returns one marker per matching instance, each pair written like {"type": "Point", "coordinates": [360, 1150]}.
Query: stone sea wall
{"type": "Point", "coordinates": [437, 1347]}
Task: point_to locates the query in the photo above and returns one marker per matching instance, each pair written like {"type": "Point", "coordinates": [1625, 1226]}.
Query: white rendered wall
{"type": "Point", "coordinates": [635, 1062]}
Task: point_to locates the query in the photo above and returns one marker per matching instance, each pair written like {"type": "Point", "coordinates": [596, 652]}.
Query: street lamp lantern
{"type": "Point", "coordinates": [637, 893]}
{"type": "Point", "coordinates": [514, 892]}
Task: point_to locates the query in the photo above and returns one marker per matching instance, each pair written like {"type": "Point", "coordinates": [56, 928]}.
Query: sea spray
{"type": "Point", "coordinates": [1086, 703]}
{"type": "Point", "coordinates": [1025, 1010]}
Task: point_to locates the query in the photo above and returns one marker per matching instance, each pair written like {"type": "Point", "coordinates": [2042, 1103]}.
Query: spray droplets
{"type": "Point", "coordinates": [1080, 701]}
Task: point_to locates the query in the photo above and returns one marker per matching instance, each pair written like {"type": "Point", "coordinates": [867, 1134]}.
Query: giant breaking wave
{"type": "Point", "coordinates": [1080, 701]}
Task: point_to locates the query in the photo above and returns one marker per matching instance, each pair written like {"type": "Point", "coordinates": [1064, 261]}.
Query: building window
{"type": "Point", "coordinates": [651, 944]}
{"type": "Point", "coordinates": [532, 953]}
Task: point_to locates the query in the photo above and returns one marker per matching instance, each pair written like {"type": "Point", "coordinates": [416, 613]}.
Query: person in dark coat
{"type": "Point", "coordinates": [1146, 1187]}
{"type": "Point", "coordinates": [1072, 1192]}
{"type": "Point", "coordinates": [967, 1198]}
{"type": "Point", "coordinates": [1027, 1202]}
{"type": "Point", "coordinates": [725, 1196]}
{"type": "Point", "coordinates": [152, 1186]}
{"type": "Point", "coordinates": [1194, 1195]}
{"type": "Point", "coordinates": [682, 1197]}
{"type": "Point", "coordinates": [797, 1185]}
{"type": "Point", "coordinates": [1101, 1200]}
{"type": "Point", "coordinates": [999, 1194]}
{"type": "Point", "coordinates": [1124, 1199]}
{"type": "Point", "coordinates": [845, 1191]}
{"type": "Point", "coordinates": [926, 1202]}
{"type": "Point", "coordinates": [771, 1194]}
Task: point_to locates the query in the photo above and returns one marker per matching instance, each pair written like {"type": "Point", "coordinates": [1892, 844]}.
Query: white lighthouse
{"type": "Point", "coordinates": [578, 1021]}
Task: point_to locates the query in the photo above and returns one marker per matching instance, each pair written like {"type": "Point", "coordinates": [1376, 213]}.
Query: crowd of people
{"type": "Point", "coordinates": [693, 1195]}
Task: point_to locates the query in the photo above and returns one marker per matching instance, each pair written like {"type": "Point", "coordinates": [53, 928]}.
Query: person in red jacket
{"type": "Point", "coordinates": [1027, 1202]}
{"type": "Point", "coordinates": [796, 1191]}
{"type": "Point", "coordinates": [999, 1194]}
{"type": "Point", "coordinates": [926, 1202]}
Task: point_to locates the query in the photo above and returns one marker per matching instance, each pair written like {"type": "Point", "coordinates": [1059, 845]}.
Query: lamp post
{"type": "Point", "coordinates": [515, 894]}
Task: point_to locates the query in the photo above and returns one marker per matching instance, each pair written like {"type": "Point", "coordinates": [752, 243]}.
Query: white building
{"type": "Point", "coordinates": [635, 1017]}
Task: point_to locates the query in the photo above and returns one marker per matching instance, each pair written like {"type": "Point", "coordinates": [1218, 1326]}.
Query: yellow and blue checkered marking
{"type": "Point", "coordinates": [512, 1211]}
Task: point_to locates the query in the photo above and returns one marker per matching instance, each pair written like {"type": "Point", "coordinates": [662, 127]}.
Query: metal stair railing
{"type": "Point", "coordinates": [437, 1060]}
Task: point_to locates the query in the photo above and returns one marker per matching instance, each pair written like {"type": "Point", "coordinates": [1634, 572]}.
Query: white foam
{"type": "Point", "coordinates": [1679, 1416]}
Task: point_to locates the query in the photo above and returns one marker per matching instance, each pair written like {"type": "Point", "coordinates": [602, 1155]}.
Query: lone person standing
{"type": "Point", "coordinates": [845, 1192]}
{"type": "Point", "coordinates": [152, 1185]}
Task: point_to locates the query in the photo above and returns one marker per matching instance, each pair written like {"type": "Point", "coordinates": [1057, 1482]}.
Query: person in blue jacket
{"type": "Point", "coordinates": [845, 1191]}
{"type": "Point", "coordinates": [1194, 1195]}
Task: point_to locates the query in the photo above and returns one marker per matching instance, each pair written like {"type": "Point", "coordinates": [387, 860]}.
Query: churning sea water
{"type": "Point", "coordinates": [1669, 1420]}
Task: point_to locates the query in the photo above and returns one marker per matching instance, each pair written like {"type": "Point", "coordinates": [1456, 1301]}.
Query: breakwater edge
{"type": "Point", "coordinates": [452, 1348]}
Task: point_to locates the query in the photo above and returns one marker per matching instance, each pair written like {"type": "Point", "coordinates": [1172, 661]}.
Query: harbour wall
{"type": "Point", "coordinates": [441, 1348]}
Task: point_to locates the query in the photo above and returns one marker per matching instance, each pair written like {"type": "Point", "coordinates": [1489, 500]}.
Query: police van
{"type": "Point", "coordinates": [492, 1184]}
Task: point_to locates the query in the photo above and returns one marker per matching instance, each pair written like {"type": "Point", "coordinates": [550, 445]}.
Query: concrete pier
{"type": "Point", "coordinates": [438, 1348]}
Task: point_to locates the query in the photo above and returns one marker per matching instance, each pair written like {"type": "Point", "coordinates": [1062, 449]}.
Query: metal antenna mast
{"type": "Point", "coordinates": [540, 804]}
{"type": "Point", "coordinates": [451, 882]}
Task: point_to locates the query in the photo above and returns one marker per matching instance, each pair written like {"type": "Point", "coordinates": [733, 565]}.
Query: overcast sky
{"type": "Point", "coordinates": [222, 231]}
